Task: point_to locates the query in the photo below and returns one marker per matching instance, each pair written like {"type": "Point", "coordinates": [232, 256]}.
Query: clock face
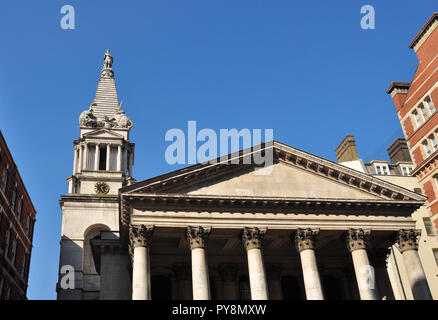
{"type": "Point", "coordinates": [101, 188]}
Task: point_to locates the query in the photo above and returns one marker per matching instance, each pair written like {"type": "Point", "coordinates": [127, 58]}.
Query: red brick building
{"type": "Point", "coordinates": [416, 103]}
{"type": "Point", "coordinates": [17, 218]}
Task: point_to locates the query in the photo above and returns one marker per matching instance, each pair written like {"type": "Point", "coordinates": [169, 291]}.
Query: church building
{"type": "Point", "coordinates": [301, 228]}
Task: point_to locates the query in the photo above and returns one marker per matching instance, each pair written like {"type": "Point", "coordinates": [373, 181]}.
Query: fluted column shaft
{"type": "Point", "coordinates": [357, 241]}
{"type": "Point", "coordinates": [141, 238]}
{"type": "Point", "coordinates": [253, 241]}
{"type": "Point", "coordinates": [197, 238]}
{"type": "Point", "coordinates": [407, 241]}
{"type": "Point", "coordinates": [305, 242]}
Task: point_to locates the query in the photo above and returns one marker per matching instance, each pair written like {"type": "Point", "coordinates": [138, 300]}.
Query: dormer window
{"type": "Point", "coordinates": [381, 168]}
{"type": "Point", "coordinates": [406, 170]}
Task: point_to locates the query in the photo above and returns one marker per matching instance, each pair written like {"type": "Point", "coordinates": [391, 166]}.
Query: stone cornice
{"type": "Point", "coordinates": [184, 201]}
{"type": "Point", "coordinates": [184, 178]}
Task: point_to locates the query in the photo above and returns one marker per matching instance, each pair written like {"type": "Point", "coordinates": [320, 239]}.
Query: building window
{"type": "Point", "coordinates": [427, 148]}
{"type": "Point", "coordinates": [433, 142]}
{"type": "Point", "coordinates": [423, 112]}
{"type": "Point", "coordinates": [406, 170]}
{"type": "Point", "coordinates": [381, 169]}
{"type": "Point", "coordinates": [14, 196]}
{"type": "Point", "coordinates": [430, 105]}
{"type": "Point", "coordinates": [435, 252]}
{"type": "Point", "coordinates": [14, 251]}
{"type": "Point", "coordinates": [19, 208]}
{"type": "Point", "coordinates": [23, 265]}
{"type": "Point", "coordinates": [28, 226]}
{"type": "Point", "coordinates": [7, 238]}
{"type": "Point", "coordinates": [430, 228]}
{"type": "Point", "coordinates": [102, 159]}
{"type": "Point", "coordinates": [417, 118]}
{"type": "Point", "coordinates": [4, 179]}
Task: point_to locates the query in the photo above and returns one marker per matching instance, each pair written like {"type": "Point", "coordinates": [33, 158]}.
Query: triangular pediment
{"type": "Point", "coordinates": [102, 134]}
{"type": "Point", "coordinates": [294, 174]}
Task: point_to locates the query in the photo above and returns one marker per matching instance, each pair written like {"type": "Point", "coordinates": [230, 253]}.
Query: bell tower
{"type": "Point", "coordinates": [103, 160]}
{"type": "Point", "coordinates": [103, 155]}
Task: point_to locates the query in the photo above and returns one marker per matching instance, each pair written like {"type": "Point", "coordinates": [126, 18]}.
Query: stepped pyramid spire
{"type": "Point", "coordinates": [105, 109]}
{"type": "Point", "coordinates": [106, 101]}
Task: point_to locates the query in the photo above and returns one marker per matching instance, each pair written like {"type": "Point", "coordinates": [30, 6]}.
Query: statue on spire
{"type": "Point", "coordinates": [107, 60]}
{"type": "Point", "coordinates": [107, 71]}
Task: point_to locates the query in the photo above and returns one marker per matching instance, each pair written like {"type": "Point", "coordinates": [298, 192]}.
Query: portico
{"type": "Point", "coordinates": [210, 239]}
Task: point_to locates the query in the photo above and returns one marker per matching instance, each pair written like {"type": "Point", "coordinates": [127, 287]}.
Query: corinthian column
{"type": "Point", "coordinates": [407, 241]}
{"type": "Point", "coordinates": [141, 238]}
{"type": "Point", "coordinates": [357, 241]}
{"type": "Point", "coordinates": [197, 238]}
{"type": "Point", "coordinates": [305, 242]}
{"type": "Point", "coordinates": [252, 239]}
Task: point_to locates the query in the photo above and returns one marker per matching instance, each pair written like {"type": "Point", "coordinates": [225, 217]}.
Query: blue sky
{"type": "Point", "coordinates": [304, 68]}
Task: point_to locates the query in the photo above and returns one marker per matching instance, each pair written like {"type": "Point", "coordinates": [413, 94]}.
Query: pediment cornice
{"type": "Point", "coordinates": [177, 180]}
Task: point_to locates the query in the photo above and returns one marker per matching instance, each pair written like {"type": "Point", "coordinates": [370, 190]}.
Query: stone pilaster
{"type": "Point", "coordinates": [228, 273]}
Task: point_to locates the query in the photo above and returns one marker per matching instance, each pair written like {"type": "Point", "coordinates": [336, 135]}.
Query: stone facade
{"type": "Point", "coordinates": [227, 230]}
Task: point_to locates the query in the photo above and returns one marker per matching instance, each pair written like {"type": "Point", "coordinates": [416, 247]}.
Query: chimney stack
{"type": "Point", "coordinates": [398, 151]}
{"type": "Point", "coordinates": [398, 92]}
{"type": "Point", "coordinates": [346, 151]}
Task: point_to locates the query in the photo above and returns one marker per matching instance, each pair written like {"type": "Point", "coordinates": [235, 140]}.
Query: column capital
{"type": "Point", "coordinates": [407, 239]}
{"type": "Point", "coordinates": [141, 236]}
{"type": "Point", "coordinates": [253, 238]}
{"type": "Point", "coordinates": [197, 236]}
{"type": "Point", "coordinates": [358, 239]}
{"type": "Point", "coordinates": [306, 239]}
